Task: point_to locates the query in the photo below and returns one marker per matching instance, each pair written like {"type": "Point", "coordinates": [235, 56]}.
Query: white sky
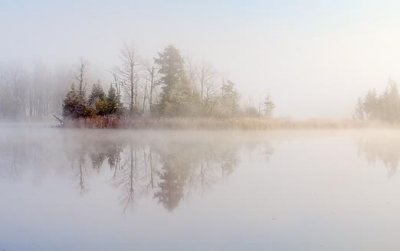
{"type": "Point", "coordinates": [314, 57]}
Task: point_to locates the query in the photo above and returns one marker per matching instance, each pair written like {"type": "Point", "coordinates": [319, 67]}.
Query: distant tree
{"type": "Point", "coordinates": [207, 77]}
{"type": "Point", "coordinates": [9, 108]}
{"type": "Point", "coordinates": [390, 103]}
{"type": "Point", "coordinates": [114, 105]}
{"type": "Point", "coordinates": [153, 81]}
{"type": "Point", "coordinates": [97, 100]}
{"type": "Point", "coordinates": [75, 104]}
{"type": "Point", "coordinates": [81, 79]}
{"type": "Point", "coordinates": [380, 107]}
{"type": "Point", "coordinates": [359, 113]}
{"type": "Point", "coordinates": [128, 75]}
{"type": "Point", "coordinates": [371, 105]}
{"type": "Point", "coordinates": [229, 99]}
{"type": "Point", "coordinates": [96, 94]}
{"type": "Point", "coordinates": [269, 106]}
{"type": "Point", "coordinates": [14, 86]}
{"type": "Point", "coordinates": [177, 97]}
{"type": "Point", "coordinates": [71, 103]}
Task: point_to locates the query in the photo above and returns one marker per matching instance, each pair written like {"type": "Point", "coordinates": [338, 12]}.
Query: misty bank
{"type": "Point", "coordinates": [240, 123]}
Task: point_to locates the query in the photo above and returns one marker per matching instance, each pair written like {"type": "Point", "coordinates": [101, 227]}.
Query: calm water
{"type": "Point", "coordinates": [144, 190]}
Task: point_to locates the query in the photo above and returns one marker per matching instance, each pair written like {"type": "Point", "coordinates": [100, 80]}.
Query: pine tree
{"type": "Point", "coordinates": [177, 97]}
{"type": "Point", "coordinates": [71, 103]}
{"type": "Point", "coordinates": [114, 105]}
{"type": "Point", "coordinates": [97, 100]}
{"type": "Point", "coordinates": [97, 94]}
{"type": "Point", "coordinates": [75, 105]}
{"type": "Point", "coordinates": [390, 103]}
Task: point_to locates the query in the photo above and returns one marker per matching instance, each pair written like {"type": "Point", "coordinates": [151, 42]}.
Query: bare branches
{"type": "Point", "coordinates": [128, 75]}
{"type": "Point", "coordinates": [80, 77]}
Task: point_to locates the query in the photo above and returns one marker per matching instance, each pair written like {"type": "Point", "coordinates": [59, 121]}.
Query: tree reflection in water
{"type": "Point", "coordinates": [163, 168]}
{"type": "Point", "coordinates": [166, 170]}
{"type": "Point", "coordinates": [382, 148]}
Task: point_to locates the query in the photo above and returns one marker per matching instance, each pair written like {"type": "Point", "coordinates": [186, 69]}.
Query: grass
{"type": "Point", "coordinates": [241, 123]}
{"type": "Point", "coordinates": [94, 122]}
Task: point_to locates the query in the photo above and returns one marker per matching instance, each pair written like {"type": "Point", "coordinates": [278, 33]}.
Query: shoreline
{"type": "Point", "coordinates": [239, 123]}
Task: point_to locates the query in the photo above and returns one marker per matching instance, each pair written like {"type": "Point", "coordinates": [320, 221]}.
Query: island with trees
{"type": "Point", "coordinates": [166, 93]}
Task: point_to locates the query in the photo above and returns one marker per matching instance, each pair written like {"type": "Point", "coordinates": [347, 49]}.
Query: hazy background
{"type": "Point", "coordinates": [314, 57]}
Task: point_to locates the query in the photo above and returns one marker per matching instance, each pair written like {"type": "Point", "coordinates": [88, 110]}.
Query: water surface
{"type": "Point", "coordinates": [182, 190]}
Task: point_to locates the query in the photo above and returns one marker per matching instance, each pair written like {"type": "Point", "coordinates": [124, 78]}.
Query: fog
{"type": "Point", "coordinates": [207, 125]}
{"type": "Point", "coordinates": [176, 190]}
{"type": "Point", "coordinates": [306, 54]}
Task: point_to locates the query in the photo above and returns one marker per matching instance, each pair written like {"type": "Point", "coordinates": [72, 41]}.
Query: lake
{"type": "Point", "coordinates": [66, 189]}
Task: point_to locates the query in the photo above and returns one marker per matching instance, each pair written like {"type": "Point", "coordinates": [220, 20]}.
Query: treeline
{"type": "Point", "coordinates": [384, 106]}
{"type": "Point", "coordinates": [31, 94]}
{"type": "Point", "coordinates": [166, 87]}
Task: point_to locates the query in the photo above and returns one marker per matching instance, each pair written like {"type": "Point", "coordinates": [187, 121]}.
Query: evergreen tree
{"type": "Point", "coordinates": [390, 103]}
{"type": "Point", "coordinates": [97, 94]}
{"type": "Point", "coordinates": [75, 105]}
{"type": "Point", "coordinates": [71, 103]}
{"type": "Point", "coordinates": [114, 105]}
{"type": "Point", "coordinates": [384, 107]}
{"type": "Point", "coordinates": [97, 100]}
{"type": "Point", "coordinates": [177, 97]}
{"type": "Point", "coordinates": [371, 105]}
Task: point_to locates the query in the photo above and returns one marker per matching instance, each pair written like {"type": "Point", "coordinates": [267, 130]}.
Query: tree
{"type": "Point", "coordinates": [371, 104]}
{"type": "Point", "coordinates": [229, 99]}
{"type": "Point", "coordinates": [97, 100]}
{"type": "Point", "coordinates": [390, 103]}
{"type": "Point", "coordinates": [81, 79]}
{"type": "Point", "coordinates": [359, 113]}
{"type": "Point", "coordinates": [96, 94]}
{"type": "Point", "coordinates": [269, 106]}
{"type": "Point", "coordinates": [381, 107]}
{"type": "Point", "coordinates": [114, 105]}
{"type": "Point", "coordinates": [129, 76]}
{"type": "Point", "coordinates": [177, 97]}
{"type": "Point", "coordinates": [206, 79]}
{"type": "Point", "coordinates": [75, 103]}
{"type": "Point", "coordinates": [8, 104]}
{"type": "Point", "coordinates": [71, 103]}
{"type": "Point", "coordinates": [152, 79]}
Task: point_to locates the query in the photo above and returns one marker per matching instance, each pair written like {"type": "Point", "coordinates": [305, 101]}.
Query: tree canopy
{"type": "Point", "coordinates": [385, 107]}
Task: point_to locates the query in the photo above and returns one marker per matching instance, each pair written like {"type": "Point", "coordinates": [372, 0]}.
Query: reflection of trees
{"type": "Point", "coordinates": [165, 169]}
{"type": "Point", "coordinates": [19, 154]}
{"type": "Point", "coordinates": [186, 166]}
{"type": "Point", "coordinates": [385, 149]}
{"type": "Point", "coordinates": [172, 182]}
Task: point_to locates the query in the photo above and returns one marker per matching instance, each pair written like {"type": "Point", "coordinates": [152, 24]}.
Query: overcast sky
{"type": "Point", "coordinates": [314, 57]}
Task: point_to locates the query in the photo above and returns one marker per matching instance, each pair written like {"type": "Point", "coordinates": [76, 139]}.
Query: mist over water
{"type": "Point", "coordinates": [199, 125]}
{"type": "Point", "coordinates": [69, 189]}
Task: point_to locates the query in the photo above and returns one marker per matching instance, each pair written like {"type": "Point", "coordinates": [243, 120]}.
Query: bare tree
{"type": "Point", "coordinates": [81, 77]}
{"type": "Point", "coordinates": [150, 70]}
{"type": "Point", "coordinates": [117, 82]}
{"type": "Point", "coordinates": [192, 72]}
{"type": "Point", "coordinates": [129, 75]}
{"type": "Point", "coordinates": [207, 76]}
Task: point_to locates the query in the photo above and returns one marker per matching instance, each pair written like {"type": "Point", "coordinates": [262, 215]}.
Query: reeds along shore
{"type": "Point", "coordinates": [241, 123]}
